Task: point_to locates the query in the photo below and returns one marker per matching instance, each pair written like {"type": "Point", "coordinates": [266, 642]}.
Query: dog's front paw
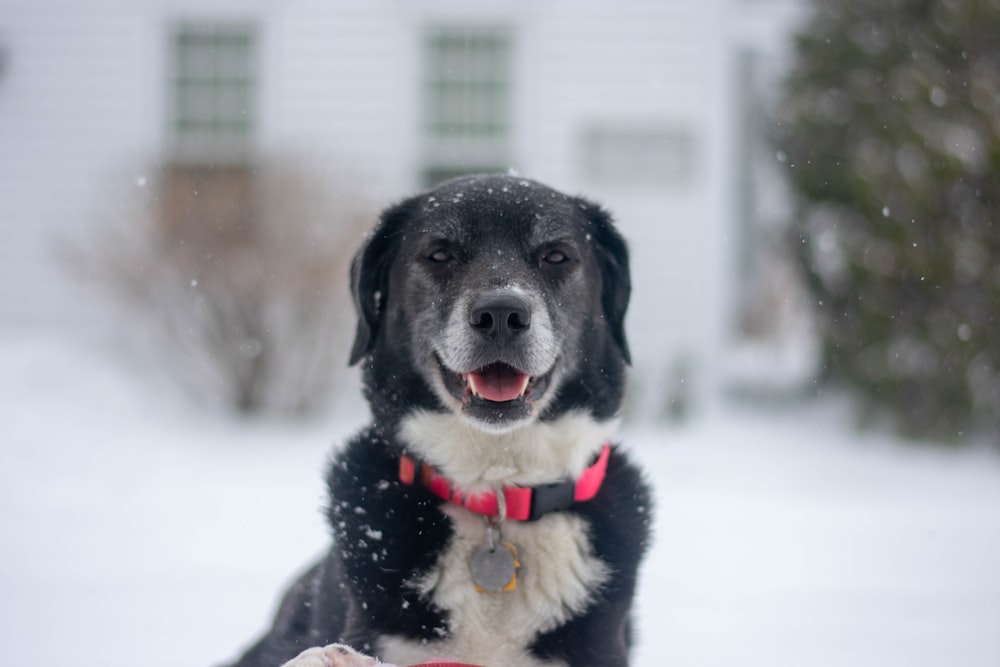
{"type": "Point", "coordinates": [334, 655]}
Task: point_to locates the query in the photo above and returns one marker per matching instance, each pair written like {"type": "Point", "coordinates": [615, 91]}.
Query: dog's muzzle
{"type": "Point", "coordinates": [500, 385]}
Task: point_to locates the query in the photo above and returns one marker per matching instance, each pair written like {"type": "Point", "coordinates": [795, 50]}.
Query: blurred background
{"type": "Point", "coordinates": [809, 191]}
{"type": "Point", "coordinates": [148, 143]}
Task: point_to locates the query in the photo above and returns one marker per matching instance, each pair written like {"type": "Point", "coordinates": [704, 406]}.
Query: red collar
{"type": "Point", "coordinates": [524, 503]}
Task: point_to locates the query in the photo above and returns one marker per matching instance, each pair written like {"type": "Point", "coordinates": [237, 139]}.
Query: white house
{"type": "Point", "coordinates": [635, 103]}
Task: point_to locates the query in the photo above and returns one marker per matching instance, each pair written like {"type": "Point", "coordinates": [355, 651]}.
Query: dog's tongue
{"type": "Point", "coordinates": [498, 382]}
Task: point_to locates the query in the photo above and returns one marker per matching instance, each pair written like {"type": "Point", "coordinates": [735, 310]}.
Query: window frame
{"type": "Point", "coordinates": [213, 90]}
{"type": "Point", "coordinates": [467, 99]}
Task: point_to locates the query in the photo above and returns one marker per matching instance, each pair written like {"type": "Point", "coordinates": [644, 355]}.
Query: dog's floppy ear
{"type": "Point", "coordinates": [612, 259]}
{"type": "Point", "coordinates": [370, 277]}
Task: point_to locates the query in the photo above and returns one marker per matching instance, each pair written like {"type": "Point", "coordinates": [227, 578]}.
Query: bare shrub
{"type": "Point", "coordinates": [241, 275]}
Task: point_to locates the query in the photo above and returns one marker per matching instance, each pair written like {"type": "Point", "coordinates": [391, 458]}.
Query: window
{"type": "Point", "coordinates": [467, 93]}
{"type": "Point", "coordinates": [213, 90]}
{"type": "Point", "coordinates": [649, 156]}
{"type": "Point", "coordinates": [207, 191]}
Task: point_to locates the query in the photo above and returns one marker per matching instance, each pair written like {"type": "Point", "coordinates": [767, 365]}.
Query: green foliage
{"type": "Point", "coordinates": [889, 128]}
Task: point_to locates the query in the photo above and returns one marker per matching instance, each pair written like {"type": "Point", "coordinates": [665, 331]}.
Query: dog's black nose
{"type": "Point", "coordinates": [500, 315]}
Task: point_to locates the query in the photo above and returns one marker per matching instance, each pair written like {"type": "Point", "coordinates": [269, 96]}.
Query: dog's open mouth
{"type": "Point", "coordinates": [496, 392]}
{"type": "Point", "coordinates": [497, 383]}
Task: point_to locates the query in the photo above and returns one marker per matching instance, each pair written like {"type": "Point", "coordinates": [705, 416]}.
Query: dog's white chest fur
{"type": "Point", "coordinates": [558, 578]}
{"type": "Point", "coordinates": [559, 574]}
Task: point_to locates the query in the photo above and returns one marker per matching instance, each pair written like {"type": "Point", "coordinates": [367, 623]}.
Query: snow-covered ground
{"type": "Point", "coordinates": [137, 529]}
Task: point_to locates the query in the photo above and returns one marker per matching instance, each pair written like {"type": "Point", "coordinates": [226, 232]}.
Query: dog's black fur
{"type": "Point", "coordinates": [469, 235]}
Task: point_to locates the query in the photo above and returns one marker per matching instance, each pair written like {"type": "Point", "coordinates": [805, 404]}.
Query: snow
{"type": "Point", "coordinates": [134, 523]}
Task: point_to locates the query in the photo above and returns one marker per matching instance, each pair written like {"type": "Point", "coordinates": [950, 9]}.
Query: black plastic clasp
{"type": "Point", "coordinates": [551, 498]}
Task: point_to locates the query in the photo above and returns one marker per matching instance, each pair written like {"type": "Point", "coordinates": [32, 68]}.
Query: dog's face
{"type": "Point", "coordinates": [500, 295]}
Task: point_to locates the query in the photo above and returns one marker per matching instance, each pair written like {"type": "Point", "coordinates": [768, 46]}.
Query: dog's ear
{"type": "Point", "coordinates": [612, 259]}
{"type": "Point", "coordinates": [370, 277]}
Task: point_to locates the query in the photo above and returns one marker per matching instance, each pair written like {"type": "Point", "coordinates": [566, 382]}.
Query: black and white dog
{"type": "Point", "coordinates": [483, 515]}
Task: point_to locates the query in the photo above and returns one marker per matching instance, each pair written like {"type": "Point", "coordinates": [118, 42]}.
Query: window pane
{"type": "Point", "coordinates": [466, 98]}
{"type": "Point", "coordinates": [213, 87]}
{"type": "Point", "coordinates": [659, 156]}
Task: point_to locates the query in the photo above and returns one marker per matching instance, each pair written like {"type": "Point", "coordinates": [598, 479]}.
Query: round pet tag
{"type": "Point", "coordinates": [493, 568]}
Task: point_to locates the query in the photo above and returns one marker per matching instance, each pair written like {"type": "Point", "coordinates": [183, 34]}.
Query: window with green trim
{"type": "Point", "coordinates": [213, 87]}
{"type": "Point", "coordinates": [467, 100]}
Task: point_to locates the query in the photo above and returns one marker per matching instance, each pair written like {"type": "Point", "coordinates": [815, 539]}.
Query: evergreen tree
{"type": "Point", "coordinates": [889, 128]}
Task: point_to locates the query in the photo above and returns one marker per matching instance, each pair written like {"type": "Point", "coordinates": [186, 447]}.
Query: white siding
{"type": "Point", "coordinates": [342, 77]}
{"type": "Point", "coordinates": [82, 107]}
{"type": "Point", "coordinates": [76, 103]}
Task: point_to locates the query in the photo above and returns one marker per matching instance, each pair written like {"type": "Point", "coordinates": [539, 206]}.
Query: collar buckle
{"type": "Point", "coordinates": [551, 498]}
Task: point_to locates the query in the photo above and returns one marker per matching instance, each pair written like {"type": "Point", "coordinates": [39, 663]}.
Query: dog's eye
{"type": "Point", "coordinates": [555, 257]}
{"type": "Point", "coordinates": [440, 256]}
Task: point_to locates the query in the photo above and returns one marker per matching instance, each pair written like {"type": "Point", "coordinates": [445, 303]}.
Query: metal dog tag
{"type": "Point", "coordinates": [494, 568]}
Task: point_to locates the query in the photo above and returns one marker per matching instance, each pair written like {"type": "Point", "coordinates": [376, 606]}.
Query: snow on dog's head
{"type": "Point", "coordinates": [495, 300]}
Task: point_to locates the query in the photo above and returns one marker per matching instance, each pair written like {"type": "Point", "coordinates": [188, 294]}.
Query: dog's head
{"type": "Point", "coordinates": [495, 298]}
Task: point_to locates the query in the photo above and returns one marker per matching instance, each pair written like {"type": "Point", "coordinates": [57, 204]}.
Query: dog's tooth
{"type": "Point", "coordinates": [524, 385]}
{"type": "Point", "coordinates": [472, 385]}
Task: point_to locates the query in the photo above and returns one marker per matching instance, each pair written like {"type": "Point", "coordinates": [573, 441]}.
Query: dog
{"type": "Point", "coordinates": [484, 514]}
